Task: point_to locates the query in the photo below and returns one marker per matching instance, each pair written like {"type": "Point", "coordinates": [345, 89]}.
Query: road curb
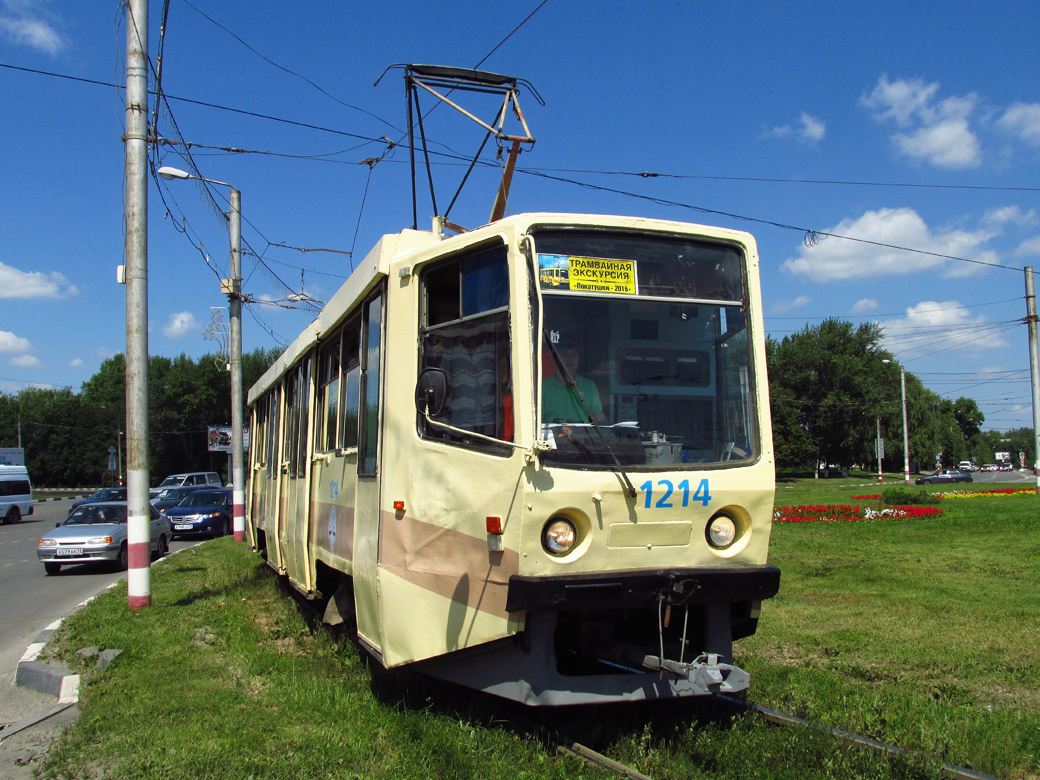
{"type": "Point", "coordinates": [44, 678]}
{"type": "Point", "coordinates": [57, 498]}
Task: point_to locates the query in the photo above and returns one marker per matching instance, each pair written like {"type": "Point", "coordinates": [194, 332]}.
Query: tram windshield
{"type": "Point", "coordinates": [645, 351]}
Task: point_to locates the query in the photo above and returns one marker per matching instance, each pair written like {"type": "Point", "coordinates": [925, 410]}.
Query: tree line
{"type": "Point", "coordinates": [829, 390]}
{"type": "Point", "coordinates": [66, 435]}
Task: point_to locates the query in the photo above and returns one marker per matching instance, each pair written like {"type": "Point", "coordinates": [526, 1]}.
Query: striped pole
{"type": "Point", "coordinates": [137, 558]}
{"type": "Point", "coordinates": [235, 315]}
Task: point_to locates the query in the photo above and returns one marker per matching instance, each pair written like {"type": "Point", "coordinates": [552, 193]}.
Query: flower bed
{"type": "Point", "coordinates": [977, 493]}
{"type": "Point", "coordinates": [841, 513]}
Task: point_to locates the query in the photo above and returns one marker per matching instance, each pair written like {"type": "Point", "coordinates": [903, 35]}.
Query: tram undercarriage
{"type": "Point", "coordinates": [542, 666]}
{"type": "Point", "coordinates": [650, 642]}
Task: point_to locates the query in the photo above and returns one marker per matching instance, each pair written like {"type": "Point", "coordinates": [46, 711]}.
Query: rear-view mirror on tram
{"type": "Point", "coordinates": [431, 391]}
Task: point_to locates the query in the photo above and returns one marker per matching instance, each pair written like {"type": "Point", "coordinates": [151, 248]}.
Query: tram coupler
{"type": "Point", "coordinates": [705, 673]}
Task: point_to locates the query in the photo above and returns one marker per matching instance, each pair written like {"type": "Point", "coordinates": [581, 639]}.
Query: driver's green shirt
{"type": "Point", "coordinates": [561, 403]}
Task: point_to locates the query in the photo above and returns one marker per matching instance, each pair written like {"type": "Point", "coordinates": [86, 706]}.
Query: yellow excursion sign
{"type": "Point", "coordinates": [590, 274]}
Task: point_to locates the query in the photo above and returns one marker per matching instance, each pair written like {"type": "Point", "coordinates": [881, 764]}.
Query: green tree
{"type": "Point", "coordinates": [824, 383]}
{"type": "Point", "coordinates": [968, 417]}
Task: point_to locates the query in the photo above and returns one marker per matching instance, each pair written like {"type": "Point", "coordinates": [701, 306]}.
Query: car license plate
{"type": "Point", "coordinates": [183, 527]}
{"type": "Point", "coordinates": [70, 551]}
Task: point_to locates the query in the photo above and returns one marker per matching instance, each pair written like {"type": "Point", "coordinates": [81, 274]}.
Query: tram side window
{"type": "Point", "coordinates": [274, 398]}
{"type": "Point", "coordinates": [302, 408]}
{"type": "Point", "coordinates": [350, 385]}
{"type": "Point", "coordinates": [297, 399]}
{"type": "Point", "coordinates": [292, 419]}
{"type": "Point", "coordinates": [369, 411]}
{"type": "Point", "coordinates": [258, 440]}
{"type": "Point", "coordinates": [465, 334]}
{"type": "Point", "coordinates": [328, 400]}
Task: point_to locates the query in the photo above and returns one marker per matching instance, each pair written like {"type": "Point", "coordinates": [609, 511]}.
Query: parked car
{"type": "Point", "coordinates": [16, 496]}
{"type": "Point", "coordinates": [96, 533]}
{"type": "Point", "coordinates": [942, 477]}
{"type": "Point", "coordinates": [966, 465]}
{"type": "Point", "coordinates": [1005, 467]}
{"type": "Point", "coordinates": [200, 479]}
{"type": "Point", "coordinates": [105, 494]}
{"type": "Point", "coordinates": [990, 467]}
{"type": "Point", "coordinates": [202, 512]}
{"type": "Point", "coordinates": [170, 497]}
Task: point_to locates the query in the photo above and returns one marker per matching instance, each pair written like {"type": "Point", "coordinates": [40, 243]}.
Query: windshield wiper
{"type": "Point", "coordinates": [571, 384]}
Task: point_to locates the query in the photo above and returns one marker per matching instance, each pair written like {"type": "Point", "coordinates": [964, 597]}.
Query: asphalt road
{"type": "Point", "coordinates": [996, 479]}
{"type": "Point", "coordinates": [30, 600]}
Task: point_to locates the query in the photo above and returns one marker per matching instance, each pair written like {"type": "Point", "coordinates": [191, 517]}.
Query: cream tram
{"type": "Point", "coordinates": [534, 459]}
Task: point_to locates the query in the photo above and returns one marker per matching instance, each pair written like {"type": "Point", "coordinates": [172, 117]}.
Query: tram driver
{"type": "Point", "coordinates": [559, 402]}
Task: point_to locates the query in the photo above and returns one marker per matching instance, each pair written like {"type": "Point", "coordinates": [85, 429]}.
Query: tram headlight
{"type": "Point", "coordinates": [559, 536]}
{"type": "Point", "coordinates": [721, 532]}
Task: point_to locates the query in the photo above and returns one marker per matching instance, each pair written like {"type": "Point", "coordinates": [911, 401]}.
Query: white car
{"type": "Point", "coordinates": [196, 479]}
{"type": "Point", "coordinates": [16, 496]}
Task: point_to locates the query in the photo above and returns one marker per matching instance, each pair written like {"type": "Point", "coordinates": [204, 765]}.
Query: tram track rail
{"type": "Point", "coordinates": [569, 747]}
{"type": "Point", "coordinates": [783, 719]}
{"type": "Point", "coordinates": [564, 745]}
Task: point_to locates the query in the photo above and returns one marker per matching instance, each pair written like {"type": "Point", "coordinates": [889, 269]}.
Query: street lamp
{"type": "Point", "coordinates": [906, 443]}
{"type": "Point", "coordinates": [233, 288]}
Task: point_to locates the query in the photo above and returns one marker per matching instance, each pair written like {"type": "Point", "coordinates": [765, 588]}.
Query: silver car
{"type": "Point", "coordinates": [95, 533]}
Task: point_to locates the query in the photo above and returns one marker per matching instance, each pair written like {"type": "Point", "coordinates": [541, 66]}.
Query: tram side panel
{"type": "Point", "coordinates": [443, 578]}
{"type": "Point", "coordinates": [441, 587]}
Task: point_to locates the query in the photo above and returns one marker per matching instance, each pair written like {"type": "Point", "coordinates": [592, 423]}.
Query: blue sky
{"type": "Point", "coordinates": [912, 126]}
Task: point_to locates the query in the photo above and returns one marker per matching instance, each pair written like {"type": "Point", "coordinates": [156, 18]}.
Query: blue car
{"type": "Point", "coordinates": [170, 497]}
{"type": "Point", "coordinates": [202, 512]}
{"type": "Point", "coordinates": [106, 494]}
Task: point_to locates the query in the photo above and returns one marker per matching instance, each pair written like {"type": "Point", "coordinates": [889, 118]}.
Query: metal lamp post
{"type": "Point", "coordinates": [906, 438]}
{"type": "Point", "coordinates": [233, 289]}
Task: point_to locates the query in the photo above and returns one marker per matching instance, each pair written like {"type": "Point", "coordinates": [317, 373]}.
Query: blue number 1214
{"type": "Point", "coordinates": [701, 494]}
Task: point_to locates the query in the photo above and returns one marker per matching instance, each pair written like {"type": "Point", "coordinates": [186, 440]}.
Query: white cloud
{"type": "Point", "coordinates": [33, 284]}
{"type": "Point", "coordinates": [809, 131]}
{"type": "Point", "coordinates": [12, 343]}
{"type": "Point", "coordinates": [24, 23]}
{"type": "Point", "coordinates": [25, 361]}
{"type": "Point", "coordinates": [936, 131]}
{"type": "Point", "coordinates": [864, 305]}
{"type": "Point", "coordinates": [834, 259]}
{"type": "Point", "coordinates": [782, 306]}
{"type": "Point", "coordinates": [1009, 215]}
{"type": "Point", "coordinates": [936, 326]}
{"type": "Point", "coordinates": [76, 362]}
{"type": "Point", "coordinates": [1029, 248]}
{"type": "Point", "coordinates": [180, 324]}
{"type": "Point", "coordinates": [1022, 120]}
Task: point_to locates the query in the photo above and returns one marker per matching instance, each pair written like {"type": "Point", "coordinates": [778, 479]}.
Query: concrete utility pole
{"type": "Point", "coordinates": [1034, 370]}
{"type": "Point", "coordinates": [233, 289]}
{"type": "Point", "coordinates": [139, 580]}
{"type": "Point", "coordinates": [234, 293]}
{"type": "Point", "coordinates": [906, 436]}
{"type": "Point", "coordinates": [880, 452]}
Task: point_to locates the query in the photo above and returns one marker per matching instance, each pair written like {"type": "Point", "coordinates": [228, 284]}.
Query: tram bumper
{"type": "Point", "coordinates": [633, 589]}
{"type": "Point", "coordinates": [577, 646]}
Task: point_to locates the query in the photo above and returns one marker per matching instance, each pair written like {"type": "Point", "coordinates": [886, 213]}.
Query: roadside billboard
{"type": "Point", "coordinates": [12, 456]}
{"type": "Point", "coordinates": [220, 438]}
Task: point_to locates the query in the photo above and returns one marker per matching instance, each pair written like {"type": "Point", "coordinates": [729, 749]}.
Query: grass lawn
{"type": "Point", "coordinates": [919, 632]}
{"type": "Point", "coordinates": [923, 632]}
